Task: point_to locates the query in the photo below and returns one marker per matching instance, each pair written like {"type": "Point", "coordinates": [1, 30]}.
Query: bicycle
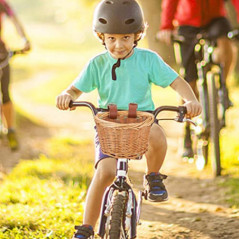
{"type": "Point", "coordinates": [213, 97]}
{"type": "Point", "coordinates": [120, 211]}
{"type": "Point", "coordinates": [3, 64]}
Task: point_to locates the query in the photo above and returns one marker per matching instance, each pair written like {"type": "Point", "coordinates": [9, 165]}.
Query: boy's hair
{"type": "Point", "coordinates": [138, 35]}
{"type": "Point", "coordinates": [118, 17]}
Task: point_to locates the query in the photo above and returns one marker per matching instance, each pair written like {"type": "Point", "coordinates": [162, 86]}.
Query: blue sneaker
{"type": "Point", "coordinates": [154, 187]}
{"type": "Point", "coordinates": [84, 232]}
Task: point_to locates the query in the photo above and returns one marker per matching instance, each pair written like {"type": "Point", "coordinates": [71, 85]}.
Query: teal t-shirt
{"type": "Point", "coordinates": [135, 77]}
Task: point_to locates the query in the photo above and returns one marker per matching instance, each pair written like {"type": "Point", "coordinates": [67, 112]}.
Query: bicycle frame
{"type": "Point", "coordinates": [121, 190]}
{"type": "Point", "coordinates": [205, 47]}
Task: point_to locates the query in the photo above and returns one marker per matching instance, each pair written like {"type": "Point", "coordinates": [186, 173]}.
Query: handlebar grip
{"type": "Point", "coordinates": [182, 111]}
{"type": "Point", "coordinates": [71, 104]}
{"type": "Point", "coordinates": [85, 104]}
{"type": "Point", "coordinates": [178, 38]}
{"type": "Point", "coordinates": [234, 34]}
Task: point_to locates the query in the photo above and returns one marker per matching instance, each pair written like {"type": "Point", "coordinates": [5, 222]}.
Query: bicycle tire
{"type": "Point", "coordinates": [117, 216]}
{"type": "Point", "coordinates": [201, 135]}
{"type": "Point", "coordinates": [214, 124]}
{"type": "Point", "coordinates": [201, 152]}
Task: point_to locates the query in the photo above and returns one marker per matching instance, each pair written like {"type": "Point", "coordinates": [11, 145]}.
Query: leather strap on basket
{"type": "Point", "coordinates": [132, 110]}
{"type": "Point", "coordinates": [112, 111]}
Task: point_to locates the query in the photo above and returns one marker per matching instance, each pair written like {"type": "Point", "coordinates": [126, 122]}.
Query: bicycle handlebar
{"type": "Point", "coordinates": [181, 110]}
{"type": "Point", "coordinates": [86, 104]}
{"type": "Point", "coordinates": [234, 34]}
{"type": "Point", "coordinates": [15, 52]}
{"type": "Point", "coordinates": [11, 53]}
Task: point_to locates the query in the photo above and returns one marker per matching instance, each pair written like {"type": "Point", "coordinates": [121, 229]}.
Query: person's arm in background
{"type": "Point", "coordinates": [168, 12]}
{"type": "Point", "coordinates": [11, 14]}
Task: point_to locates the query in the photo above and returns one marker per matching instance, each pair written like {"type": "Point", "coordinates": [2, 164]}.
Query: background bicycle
{"type": "Point", "coordinates": [124, 135]}
{"type": "Point", "coordinates": [214, 97]}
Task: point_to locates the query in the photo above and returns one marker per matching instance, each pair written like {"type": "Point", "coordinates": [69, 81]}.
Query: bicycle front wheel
{"type": "Point", "coordinates": [117, 216]}
{"type": "Point", "coordinates": [214, 123]}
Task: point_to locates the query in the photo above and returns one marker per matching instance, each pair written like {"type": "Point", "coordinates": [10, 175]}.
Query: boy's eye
{"type": "Point", "coordinates": [126, 37]}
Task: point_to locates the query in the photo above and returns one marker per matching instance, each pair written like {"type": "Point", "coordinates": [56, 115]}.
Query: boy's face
{"type": "Point", "coordinates": [119, 45]}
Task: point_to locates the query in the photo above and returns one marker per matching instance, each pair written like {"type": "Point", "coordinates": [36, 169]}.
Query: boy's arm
{"type": "Point", "coordinates": [194, 108]}
{"type": "Point", "coordinates": [63, 100]}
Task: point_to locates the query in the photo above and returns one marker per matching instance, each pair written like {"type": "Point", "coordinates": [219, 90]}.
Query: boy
{"type": "Point", "coordinates": [124, 74]}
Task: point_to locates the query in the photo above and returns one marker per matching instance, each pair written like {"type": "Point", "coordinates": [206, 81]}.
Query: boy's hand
{"type": "Point", "coordinates": [63, 101]}
{"type": "Point", "coordinates": [194, 108]}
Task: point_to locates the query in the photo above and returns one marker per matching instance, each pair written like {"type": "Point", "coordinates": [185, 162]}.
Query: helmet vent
{"type": "Point", "coordinates": [102, 20]}
{"type": "Point", "coordinates": [109, 2]}
{"type": "Point", "coordinates": [129, 21]}
{"type": "Point", "coordinates": [126, 2]}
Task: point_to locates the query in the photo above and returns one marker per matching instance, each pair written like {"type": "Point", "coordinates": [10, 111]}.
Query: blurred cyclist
{"type": "Point", "coordinates": [7, 106]}
{"type": "Point", "coordinates": [188, 18]}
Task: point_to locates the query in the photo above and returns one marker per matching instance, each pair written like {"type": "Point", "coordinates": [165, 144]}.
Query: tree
{"type": "Point", "coordinates": [152, 12]}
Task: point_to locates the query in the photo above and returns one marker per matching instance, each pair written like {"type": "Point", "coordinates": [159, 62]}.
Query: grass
{"type": "Point", "coordinates": [230, 152]}
{"type": "Point", "coordinates": [44, 197]}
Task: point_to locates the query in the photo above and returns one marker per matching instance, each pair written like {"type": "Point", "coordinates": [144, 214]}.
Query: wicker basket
{"type": "Point", "coordinates": [124, 137]}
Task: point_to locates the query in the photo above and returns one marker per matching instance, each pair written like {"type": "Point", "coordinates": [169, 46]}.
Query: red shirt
{"type": "Point", "coordinates": [192, 12]}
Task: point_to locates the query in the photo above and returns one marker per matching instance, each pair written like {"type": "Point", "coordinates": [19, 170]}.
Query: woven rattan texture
{"type": "Point", "coordinates": [124, 137]}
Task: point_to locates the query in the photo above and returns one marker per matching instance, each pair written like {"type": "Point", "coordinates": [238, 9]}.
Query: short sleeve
{"type": "Point", "coordinates": [161, 73]}
{"type": "Point", "coordinates": [86, 80]}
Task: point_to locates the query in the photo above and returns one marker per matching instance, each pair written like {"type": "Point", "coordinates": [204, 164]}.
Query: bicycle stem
{"type": "Point", "coordinates": [122, 169]}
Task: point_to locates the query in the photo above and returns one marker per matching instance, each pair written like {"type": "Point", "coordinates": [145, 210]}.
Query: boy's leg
{"type": "Point", "coordinates": [157, 149]}
{"type": "Point", "coordinates": [155, 155]}
{"type": "Point", "coordinates": [103, 177]}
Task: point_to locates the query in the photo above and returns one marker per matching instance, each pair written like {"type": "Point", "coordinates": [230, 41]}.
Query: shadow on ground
{"type": "Point", "coordinates": [31, 138]}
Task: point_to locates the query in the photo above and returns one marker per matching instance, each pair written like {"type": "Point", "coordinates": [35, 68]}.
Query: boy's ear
{"type": "Point", "coordinates": [138, 36]}
{"type": "Point", "coordinates": [101, 36]}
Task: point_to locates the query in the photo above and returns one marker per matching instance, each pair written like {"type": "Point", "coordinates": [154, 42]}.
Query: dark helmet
{"type": "Point", "coordinates": [118, 17]}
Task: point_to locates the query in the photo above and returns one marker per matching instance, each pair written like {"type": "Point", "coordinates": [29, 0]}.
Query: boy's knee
{"type": "Point", "coordinates": [106, 172]}
{"type": "Point", "coordinates": [157, 138]}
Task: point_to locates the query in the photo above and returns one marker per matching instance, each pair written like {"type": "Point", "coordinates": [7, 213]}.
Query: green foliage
{"type": "Point", "coordinates": [230, 151]}
{"type": "Point", "coordinates": [44, 198]}
{"type": "Point", "coordinates": [232, 185]}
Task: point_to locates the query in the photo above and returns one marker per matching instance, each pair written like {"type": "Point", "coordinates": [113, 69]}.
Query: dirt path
{"type": "Point", "coordinates": [196, 207]}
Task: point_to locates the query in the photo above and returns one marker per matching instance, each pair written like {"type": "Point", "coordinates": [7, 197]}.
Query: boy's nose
{"type": "Point", "coordinates": [118, 44]}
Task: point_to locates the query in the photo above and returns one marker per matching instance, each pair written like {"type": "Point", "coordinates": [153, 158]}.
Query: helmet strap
{"type": "Point", "coordinates": [117, 64]}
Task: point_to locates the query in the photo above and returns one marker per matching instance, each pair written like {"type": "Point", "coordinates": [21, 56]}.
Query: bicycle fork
{"type": "Point", "coordinates": [132, 208]}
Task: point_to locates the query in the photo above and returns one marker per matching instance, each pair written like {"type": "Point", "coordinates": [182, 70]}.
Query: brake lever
{"type": "Point", "coordinates": [190, 121]}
